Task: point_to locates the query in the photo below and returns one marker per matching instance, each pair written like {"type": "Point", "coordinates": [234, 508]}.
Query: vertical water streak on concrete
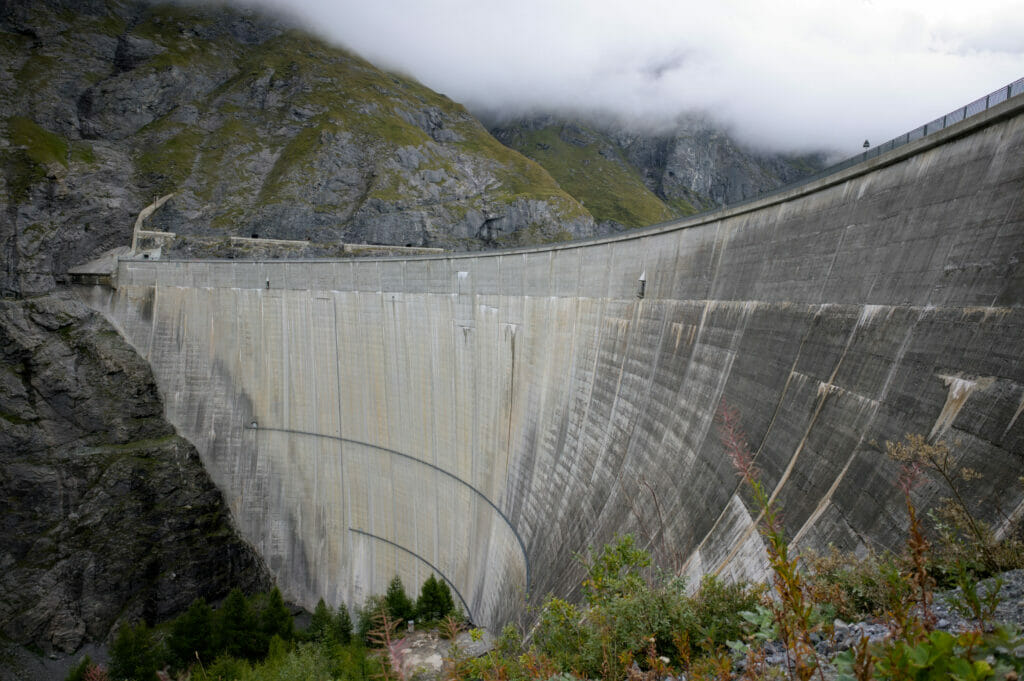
{"type": "Point", "coordinates": [958, 390]}
{"type": "Point", "coordinates": [824, 390]}
{"type": "Point", "coordinates": [1016, 415]}
{"type": "Point", "coordinates": [826, 500]}
{"type": "Point", "coordinates": [775, 413]}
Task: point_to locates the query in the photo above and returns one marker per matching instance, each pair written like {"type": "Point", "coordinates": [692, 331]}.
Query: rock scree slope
{"type": "Point", "coordinates": [488, 415]}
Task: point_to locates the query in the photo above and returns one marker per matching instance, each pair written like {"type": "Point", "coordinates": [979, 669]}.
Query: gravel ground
{"type": "Point", "coordinates": [1010, 611]}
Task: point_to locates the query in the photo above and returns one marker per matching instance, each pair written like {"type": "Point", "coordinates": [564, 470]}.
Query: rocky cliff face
{"type": "Point", "coordinates": [106, 515]}
{"type": "Point", "coordinates": [256, 128]}
{"type": "Point", "coordinates": [633, 178]}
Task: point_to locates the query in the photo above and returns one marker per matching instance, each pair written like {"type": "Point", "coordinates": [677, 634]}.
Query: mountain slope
{"type": "Point", "coordinates": [255, 128]}
{"type": "Point", "coordinates": [592, 167]}
{"type": "Point", "coordinates": [634, 178]}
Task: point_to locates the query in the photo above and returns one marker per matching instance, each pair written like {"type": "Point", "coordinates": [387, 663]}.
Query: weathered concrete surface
{"type": "Point", "coordinates": [488, 416]}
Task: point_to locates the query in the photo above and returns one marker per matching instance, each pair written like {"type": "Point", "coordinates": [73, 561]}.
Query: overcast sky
{"type": "Point", "coordinates": [785, 74]}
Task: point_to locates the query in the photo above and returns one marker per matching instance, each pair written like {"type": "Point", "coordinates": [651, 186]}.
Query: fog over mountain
{"type": "Point", "coordinates": [795, 75]}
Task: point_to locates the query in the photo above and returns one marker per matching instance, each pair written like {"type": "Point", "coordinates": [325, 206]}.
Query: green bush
{"type": "Point", "coordinates": [718, 612]}
{"type": "Point", "coordinates": [224, 668]}
{"type": "Point", "coordinates": [77, 673]}
{"type": "Point", "coordinates": [968, 656]}
{"type": "Point", "coordinates": [853, 588]}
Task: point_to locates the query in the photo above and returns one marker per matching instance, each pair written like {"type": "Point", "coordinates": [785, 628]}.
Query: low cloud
{"type": "Point", "coordinates": [794, 75]}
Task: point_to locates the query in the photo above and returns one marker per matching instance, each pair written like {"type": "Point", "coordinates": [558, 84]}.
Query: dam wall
{"type": "Point", "coordinates": [487, 416]}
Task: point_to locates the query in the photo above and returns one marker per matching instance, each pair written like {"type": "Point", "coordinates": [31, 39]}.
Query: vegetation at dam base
{"type": "Point", "coordinates": [641, 623]}
{"type": "Point", "coordinates": [255, 638]}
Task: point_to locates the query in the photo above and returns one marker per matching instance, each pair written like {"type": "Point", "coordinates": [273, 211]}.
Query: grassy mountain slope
{"type": "Point", "coordinates": [636, 178]}
{"type": "Point", "coordinates": [254, 126]}
{"type": "Point", "coordinates": [594, 170]}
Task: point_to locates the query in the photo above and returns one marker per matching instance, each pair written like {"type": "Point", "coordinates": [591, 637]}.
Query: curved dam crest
{"type": "Point", "coordinates": [487, 416]}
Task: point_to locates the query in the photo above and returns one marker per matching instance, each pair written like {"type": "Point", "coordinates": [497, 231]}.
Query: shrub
{"type": "Point", "coordinates": [967, 656]}
{"type": "Point", "coordinates": [224, 668]}
{"type": "Point", "coordinates": [628, 618]}
{"type": "Point", "coordinates": [718, 613]}
{"type": "Point", "coordinates": [965, 542]}
{"type": "Point", "coordinates": [856, 588]}
{"type": "Point", "coordinates": [77, 673]}
{"type": "Point", "coordinates": [565, 638]}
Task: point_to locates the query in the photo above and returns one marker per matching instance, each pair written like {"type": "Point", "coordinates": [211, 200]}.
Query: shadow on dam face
{"type": "Point", "coordinates": [487, 416]}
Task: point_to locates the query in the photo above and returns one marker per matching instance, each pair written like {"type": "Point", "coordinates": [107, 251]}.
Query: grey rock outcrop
{"type": "Point", "coordinates": [106, 515]}
{"type": "Point", "coordinates": [699, 161]}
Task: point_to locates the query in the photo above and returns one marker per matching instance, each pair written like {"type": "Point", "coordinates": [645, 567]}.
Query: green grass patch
{"type": "Point", "coordinates": [221, 154]}
{"type": "Point", "coordinates": [33, 149]}
{"type": "Point", "coordinates": [108, 24]}
{"type": "Point", "coordinates": [14, 419]}
{"type": "Point", "coordinates": [605, 183]}
{"type": "Point", "coordinates": [21, 173]}
{"type": "Point", "coordinates": [294, 157]}
{"type": "Point", "coordinates": [82, 152]}
{"type": "Point", "coordinates": [682, 206]}
{"type": "Point", "coordinates": [37, 69]}
{"type": "Point", "coordinates": [168, 164]}
{"type": "Point", "coordinates": [41, 146]}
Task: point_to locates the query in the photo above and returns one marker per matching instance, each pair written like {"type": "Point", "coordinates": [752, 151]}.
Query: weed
{"type": "Point", "coordinates": [793, 610]}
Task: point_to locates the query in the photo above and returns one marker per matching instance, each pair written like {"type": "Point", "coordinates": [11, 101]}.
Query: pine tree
{"type": "Point", "coordinates": [397, 603]}
{"type": "Point", "coordinates": [275, 620]}
{"type": "Point", "coordinates": [445, 598]}
{"type": "Point", "coordinates": [237, 633]}
{"type": "Point", "coordinates": [192, 635]}
{"type": "Point", "coordinates": [435, 600]}
{"type": "Point", "coordinates": [321, 624]}
{"type": "Point", "coordinates": [135, 654]}
{"type": "Point", "coordinates": [368, 616]}
{"type": "Point", "coordinates": [343, 625]}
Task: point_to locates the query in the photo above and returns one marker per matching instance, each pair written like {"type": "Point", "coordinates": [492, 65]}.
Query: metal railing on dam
{"type": "Point", "coordinates": [941, 123]}
{"type": "Point", "coordinates": [540, 407]}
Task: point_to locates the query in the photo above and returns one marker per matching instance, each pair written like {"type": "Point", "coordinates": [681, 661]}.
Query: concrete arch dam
{"type": "Point", "coordinates": [486, 416]}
